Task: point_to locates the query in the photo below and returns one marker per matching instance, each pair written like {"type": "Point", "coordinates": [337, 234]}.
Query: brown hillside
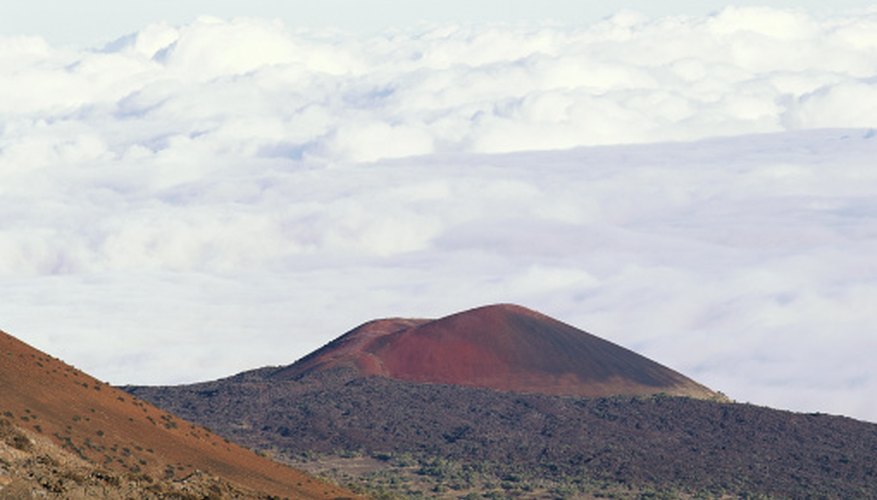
{"type": "Point", "coordinates": [504, 347]}
{"type": "Point", "coordinates": [107, 427]}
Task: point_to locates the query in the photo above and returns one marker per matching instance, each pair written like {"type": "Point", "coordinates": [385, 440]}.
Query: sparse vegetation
{"type": "Point", "coordinates": [61, 441]}
{"type": "Point", "coordinates": [46, 471]}
{"type": "Point", "coordinates": [13, 437]}
{"type": "Point", "coordinates": [453, 441]}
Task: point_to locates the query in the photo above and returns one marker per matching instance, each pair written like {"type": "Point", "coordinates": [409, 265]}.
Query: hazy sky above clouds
{"type": "Point", "coordinates": [93, 22]}
{"type": "Point", "coordinates": [201, 197]}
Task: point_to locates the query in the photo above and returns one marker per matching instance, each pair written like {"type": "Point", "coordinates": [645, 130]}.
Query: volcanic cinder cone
{"type": "Point", "coordinates": [504, 347]}
{"type": "Point", "coordinates": [110, 428]}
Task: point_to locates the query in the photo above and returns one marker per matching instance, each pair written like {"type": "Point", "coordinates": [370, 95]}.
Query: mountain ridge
{"type": "Point", "coordinates": [428, 438]}
{"type": "Point", "coordinates": [369, 406]}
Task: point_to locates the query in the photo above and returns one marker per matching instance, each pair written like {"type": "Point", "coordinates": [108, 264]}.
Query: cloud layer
{"type": "Point", "coordinates": [252, 88]}
{"type": "Point", "coordinates": [192, 201]}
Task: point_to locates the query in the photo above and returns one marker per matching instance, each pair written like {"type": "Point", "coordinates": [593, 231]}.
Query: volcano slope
{"type": "Point", "coordinates": [502, 400]}
{"type": "Point", "coordinates": [64, 434]}
{"type": "Point", "coordinates": [504, 347]}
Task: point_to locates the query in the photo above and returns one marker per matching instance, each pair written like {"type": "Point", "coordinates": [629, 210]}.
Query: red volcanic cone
{"type": "Point", "coordinates": [504, 347]}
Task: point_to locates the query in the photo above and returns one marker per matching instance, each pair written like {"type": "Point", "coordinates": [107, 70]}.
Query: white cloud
{"type": "Point", "coordinates": [627, 79]}
{"type": "Point", "coordinates": [369, 141]}
{"type": "Point", "coordinates": [192, 201]}
{"type": "Point", "coordinates": [852, 103]}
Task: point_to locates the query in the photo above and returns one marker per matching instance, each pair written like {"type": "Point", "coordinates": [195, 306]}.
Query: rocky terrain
{"type": "Point", "coordinates": [456, 437]}
{"type": "Point", "coordinates": [65, 434]}
{"type": "Point", "coordinates": [350, 416]}
{"type": "Point", "coordinates": [32, 466]}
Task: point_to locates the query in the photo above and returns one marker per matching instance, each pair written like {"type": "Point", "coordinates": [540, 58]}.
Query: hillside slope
{"type": "Point", "coordinates": [105, 427]}
{"type": "Point", "coordinates": [33, 466]}
{"type": "Point", "coordinates": [397, 402]}
{"type": "Point", "coordinates": [504, 347]}
{"type": "Point", "coordinates": [456, 435]}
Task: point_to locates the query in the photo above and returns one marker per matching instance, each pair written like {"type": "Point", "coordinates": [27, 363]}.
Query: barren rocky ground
{"type": "Point", "coordinates": [67, 434]}
{"type": "Point", "coordinates": [426, 439]}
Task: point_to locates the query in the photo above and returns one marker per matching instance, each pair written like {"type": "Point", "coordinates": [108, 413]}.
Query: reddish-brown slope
{"type": "Point", "coordinates": [504, 347]}
{"type": "Point", "coordinates": [113, 429]}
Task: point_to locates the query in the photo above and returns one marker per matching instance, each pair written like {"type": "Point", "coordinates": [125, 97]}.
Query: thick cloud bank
{"type": "Point", "coordinates": [193, 201]}
{"type": "Point", "coordinates": [251, 88]}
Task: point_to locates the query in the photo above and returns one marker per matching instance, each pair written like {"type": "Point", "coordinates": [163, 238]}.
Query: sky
{"type": "Point", "coordinates": [86, 23]}
{"type": "Point", "coordinates": [183, 197]}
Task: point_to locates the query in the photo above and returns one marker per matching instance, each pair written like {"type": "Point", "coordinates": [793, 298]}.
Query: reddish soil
{"type": "Point", "coordinates": [504, 347]}
{"type": "Point", "coordinates": [110, 428]}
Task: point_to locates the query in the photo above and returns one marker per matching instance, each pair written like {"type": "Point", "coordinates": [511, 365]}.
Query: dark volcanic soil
{"type": "Point", "coordinates": [668, 443]}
